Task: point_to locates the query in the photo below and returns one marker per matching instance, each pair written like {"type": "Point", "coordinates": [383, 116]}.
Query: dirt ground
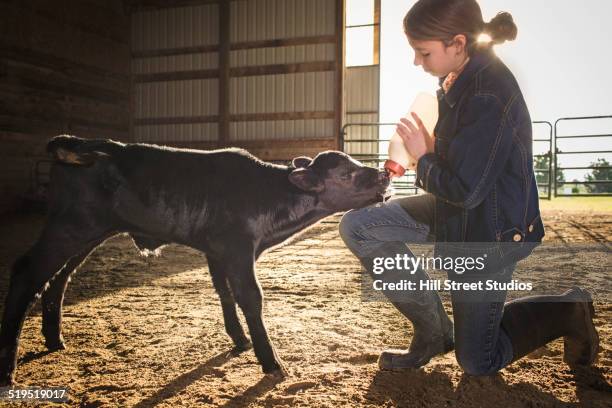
{"type": "Point", "coordinates": [149, 332]}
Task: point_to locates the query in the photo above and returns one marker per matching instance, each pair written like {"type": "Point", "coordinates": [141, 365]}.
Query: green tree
{"type": "Point", "coordinates": [540, 164]}
{"type": "Point", "coordinates": [601, 172]}
{"type": "Point", "coordinates": [560, 175]}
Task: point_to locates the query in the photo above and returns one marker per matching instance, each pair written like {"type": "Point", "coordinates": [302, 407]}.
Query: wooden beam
{"type": "Point", "coordinates": [224, 72]}
{"type": "Point", "coordinates": [255, 117]}
{"type": "Point", "coordinates": [71, 68]}
{"type": "Point", "coordinates": [27, 30]}
{"type": "Point", "coordinates": [376, 28]}
{"type": "Point", "coordinates": [365, 112]}
{"type": "Point", "coordinates": [177, 75]}
{"type": "Point", "coordinates": [269, 149]}
{"type": "Point", "coordinates": [293, 143]}
{"type": "Point", "coordinates": [136, 5]}
{"type": "Point", "coordinates": [46, 128]}
{"type": "Point", "coordinates": [284, 42]}
{"type": "Point", "coordinates": [237, 72]}
{"type": "Point", "coordinates": [15, 102]}
{"type": "Point", "coordinates": [132, 88]}
{"type": "Point", "coordinates": [203, 49]}
{"type": "Point", "coordinates": [176, 120]}
{"type": "Point", "coordinates": [245, 117]}
{"type": "Point", "coordinates": [42, 80]}
{"type": "Point", "coordinates": [90, 18]}
{"type": "Point", "coordinates": [340, 46]}
{"type": "Point", "coordinates": [283, 68]}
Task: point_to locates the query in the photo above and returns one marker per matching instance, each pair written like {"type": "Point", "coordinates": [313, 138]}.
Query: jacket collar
{"type": "Point", "coordinates": [478, 61]}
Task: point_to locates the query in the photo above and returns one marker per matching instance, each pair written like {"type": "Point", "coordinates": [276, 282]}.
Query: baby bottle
{"type": "Point", "coordinates": [426, 107]}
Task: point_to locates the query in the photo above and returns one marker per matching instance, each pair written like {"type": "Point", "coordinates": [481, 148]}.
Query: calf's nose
{"type": "Point", "coordinates": [383, 176]}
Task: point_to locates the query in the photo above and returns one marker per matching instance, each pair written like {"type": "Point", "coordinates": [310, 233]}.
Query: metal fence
{"type": "Point", "coordinates": [599, 182]}
{"type": "Point", "coordinates": [543, 169]}
{"type": "Point", "coordinates": [372, 150]}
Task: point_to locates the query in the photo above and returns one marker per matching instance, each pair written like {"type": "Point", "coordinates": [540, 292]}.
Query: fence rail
{"type": "Point", "coordinates": [594, 186]}
{"type": "Point", "coordinates": [547, 172]}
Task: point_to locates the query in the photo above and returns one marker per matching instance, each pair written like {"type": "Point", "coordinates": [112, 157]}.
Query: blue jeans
{"type": "Point", "coordinates": [386, 229]}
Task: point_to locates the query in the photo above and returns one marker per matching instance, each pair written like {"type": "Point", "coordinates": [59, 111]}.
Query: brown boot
{"type": "Point", "coordinates": [433, 335]}
{"type": "Point", "coordinates": [534, 321]}
{"type": "Point", "coordinates": [581, 346]}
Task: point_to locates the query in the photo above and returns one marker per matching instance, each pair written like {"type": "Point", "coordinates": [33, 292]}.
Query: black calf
{"type": "Point", "coordinates": [225, 203]}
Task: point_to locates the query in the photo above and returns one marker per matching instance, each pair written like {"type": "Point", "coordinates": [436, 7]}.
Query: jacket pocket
{"type": "Point", "coordinates": [510, 240]}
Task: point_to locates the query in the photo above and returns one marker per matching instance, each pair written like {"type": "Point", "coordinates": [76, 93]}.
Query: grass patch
{"type": "Point", "coordinates": [589, 204]}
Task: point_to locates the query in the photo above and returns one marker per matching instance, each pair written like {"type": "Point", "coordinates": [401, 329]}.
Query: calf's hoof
{"type": "Point", "coordinates": [278, 371]}
{"type": "Point", "coordinates": [242, 346]}
{"type": "Point", "coordinates": [7, 379]}
{"type": "Point", "coordinates": [7, 367]}
{"type": "Point", "coordinates": [55, 345]}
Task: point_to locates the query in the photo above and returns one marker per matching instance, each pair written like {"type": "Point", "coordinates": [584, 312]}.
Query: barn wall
{"type": "Point", "coordinates": [64, 68]}
{"type": "Point", "coordinates": [261, 74]}
{"type": "Point", "coordinates": [362, 103]}
{"type": "Point", "coordinates": [362, 99]}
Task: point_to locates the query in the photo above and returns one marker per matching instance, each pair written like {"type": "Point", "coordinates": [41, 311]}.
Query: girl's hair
{"type": "Point", "coordinates": [444, 19]}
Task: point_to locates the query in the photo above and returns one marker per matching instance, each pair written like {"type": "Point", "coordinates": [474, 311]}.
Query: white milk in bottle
{"type": "Point", "coordinates": [426, 107]}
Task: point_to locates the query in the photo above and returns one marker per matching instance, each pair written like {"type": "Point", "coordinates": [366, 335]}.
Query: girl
{"type": "Point", "coordinates": [478, 173]}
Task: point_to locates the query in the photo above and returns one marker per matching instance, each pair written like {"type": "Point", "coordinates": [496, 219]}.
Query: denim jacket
{"type": "Point", "coordinates": [481, 170]}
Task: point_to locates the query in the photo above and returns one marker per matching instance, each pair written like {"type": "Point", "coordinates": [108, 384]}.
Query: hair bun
{"type": "Point", "coordinates": [501, 28]}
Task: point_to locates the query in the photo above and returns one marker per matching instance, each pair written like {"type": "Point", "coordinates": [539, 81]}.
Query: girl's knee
{"type": "Point", "coordinates": [349, 225]}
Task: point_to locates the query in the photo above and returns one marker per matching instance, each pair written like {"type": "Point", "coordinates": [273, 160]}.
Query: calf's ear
{"type": "Point", "coordinates": [306, 180]}
{"type": "Point", "coordinates": [301, 162]}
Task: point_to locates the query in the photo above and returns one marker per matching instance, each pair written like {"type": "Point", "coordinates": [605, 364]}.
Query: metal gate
{"type": "Point", "coordinates": [368, 148]}
{"type": "Point", "coordinates": [372, 151]}
{"type": "Point", "coordinates": [599, 183]}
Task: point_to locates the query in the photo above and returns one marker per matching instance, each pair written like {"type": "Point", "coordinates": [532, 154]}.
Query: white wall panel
{"type": "Point", "coordinates": [251, 20]}
{"type": "Point", "coordinates": [308, 91]}
{"type": "Point", "coordinates": [361, 95]}
{"type": "Point", "coordinates": [282, 129]}
{"type": "Point", "coordinates": [283, 55]}
{"type": "Point", "coordinates": [362, 88]}
{"type": "Point", "coordinates": [256, 20]}
{"type": "Point", "coordinates": [175, 27]}
{"type": "Point", "coordinates": [173, 63]}
{"type": "Point", "coordinates": [191, 132]}
{"type": "Point", "coordinates": [198, 97]}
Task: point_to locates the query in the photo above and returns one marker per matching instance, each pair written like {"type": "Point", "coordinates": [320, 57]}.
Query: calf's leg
{"type": "Point", "coordinates": [53, 298]}
{"type": "Point", "coordinates": [58, 244]}
{"type": "Point", "coordinates": [246, 289]}
{"type": "Point", "coordinates": [228, 304]}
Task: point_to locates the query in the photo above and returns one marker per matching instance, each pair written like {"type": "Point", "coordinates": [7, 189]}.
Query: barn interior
{"type": "Point", "coordinates": [269, 76]}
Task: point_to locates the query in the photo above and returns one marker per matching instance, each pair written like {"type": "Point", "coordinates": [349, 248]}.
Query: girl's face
{"type": "Point", "coordinates": [437, 58]}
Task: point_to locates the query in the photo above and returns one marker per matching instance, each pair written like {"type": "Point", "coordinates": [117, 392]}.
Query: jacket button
{"type": "Point", "coordinates": [531, 228]}
{"type": "Point", "coordinates": [516, 237]}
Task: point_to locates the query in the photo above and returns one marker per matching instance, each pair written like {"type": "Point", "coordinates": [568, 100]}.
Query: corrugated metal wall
{"type": "Point", "coordinates": [170, 29]}
{"type": "Point", "coordinates": [362, 104]}
{"type": "Point", "coordinates": [302, 104]}
{"type": "Point", "coordinates": [362, 82]}
{"type": "Point", "coordinates": [255, 20]}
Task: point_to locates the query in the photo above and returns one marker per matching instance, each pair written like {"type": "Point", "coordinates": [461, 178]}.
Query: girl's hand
{"type": "Point", "coordinates": [416, 138]}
